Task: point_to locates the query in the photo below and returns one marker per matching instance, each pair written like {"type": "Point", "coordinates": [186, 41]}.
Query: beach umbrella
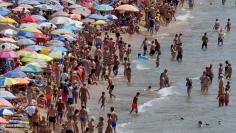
{"type": "Point", "coordinates": [82, 11]}
{"type": "Point", "coordinates": [25, 42]}
{"type": "Point", "coordinates": [75, 16]}
{"type": "Point", "coordinates": [79, 24]}
{"type": "Point", "coordinates": [111, 17]}
{"type": "Point", "coordinates": [40, 36]}
{"type": "Point", "coordinates": [3, 121]}
{"type": "Point", "coordinates": [31, 69]}
{"type": "Point", "coordinates": [61, 20]}
{"type": "Point", "coordinates": [8, 32]}
{"type": "Point", "coordinates": [26, 34]}
{"type": "Point", "coordinates": [7, 20]}
{"type": "Point", "coordinates": [61, 32]}
{"type": "Point", "coordinates": [56, 6]}
{"type": "Point", "coordinates": [7, 40]}
{"type": "Point", "coordinates": [59, 48]}
{"type": "Point", "coordinates": [30, 29]}
{"type": "Point", "coordinates": [127, 8]}
{"type": "Point", "coordinates": [6, 4]}
{"type": "Point", "coordinates": [38, 63]}
{"type": "Point", "coordinates": [60, 13]}
{"type": "Point", "coordinates": [4, 26]}
{"type": "Point", "coordinates": [69, 1]}
{"type": "Point", "coordinates": [96, 16]}
{"type": "Point", "coordinates": [70, 28]}
{"type": "Point", "coordinates": [29, 19]}
{"type": "Point", "coordinates": [29, 25]}
{"type": "Point", "coordinates": [41, 18]}
{"type": "Point", "coordinates": [26, 6]}
{"type": "Point", "coordinates": [100, 22]}
{"type": "Point", "coordinates": [44, 7]}
{"type": "Point", "coordinates": [56, 55]}
{"type": "Point", "coordinates": [75, 6]}
{"type": "Point", "coordinates": [5, 104]}
{"type": "Point", "coordinates": [7, 94]}
{"type": "Point", "coordinates": [20, 9]}
{"type": "Point", "coordinates": [47, 25]}
{"type": "Point", "coordinates": [6, 112]}
{"type": "Point", "coordinates": [4, 11]}
{"type": "Point", "coordinates": [38, 56]}
{"type": "Point", "coordinates": [15, 74]}
{"type": "Point", "coordinates": [8, 54]}
{"type": "Point", "coordinates": [35, 47]}
{"type": "Point", "coordinates": [56, 42]}
{"type": "Point", "coordinates": [87, 20]}
{"type": "Point", "coordinates": [25, 51]}
{"type": "Point", "coordinates": [30, 2]}
{"type": "Point", "coordinates": [22, 81]}
{"type": "Point", "coordinates": [104, 7]}
{"type": "Point", "coordinates": [8, 46]}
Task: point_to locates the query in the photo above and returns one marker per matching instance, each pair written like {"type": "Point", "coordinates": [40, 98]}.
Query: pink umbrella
{"type": "Point", "coordinates": [3, 121]}
{"type": "Point", "coordinates": [7, 40]}
{"type": "Point", "coordinates": [8, 54]}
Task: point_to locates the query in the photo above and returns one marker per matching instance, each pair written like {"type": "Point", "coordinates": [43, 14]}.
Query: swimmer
{"type": "Point", "coordinates": [228, 25]}
{"type": "Point", "coordinates": [216, 25]}
{"type": "Point", "coordinates": [149, 88]}
{"type": "Point", "coordinates": [200, 124]}
{"type": "Point", "coordinates": [221, 37]}
{"type": "Point", "coordinates": [189, 86]}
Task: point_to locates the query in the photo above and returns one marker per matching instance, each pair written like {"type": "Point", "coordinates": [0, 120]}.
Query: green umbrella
{"type": "Point", "coordinates": [31, 69]}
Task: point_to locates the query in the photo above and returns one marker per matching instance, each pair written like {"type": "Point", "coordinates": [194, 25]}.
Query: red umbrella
{"type": "Point", "coordinates": [3, 121]}
{"type": "Point", "coordinates": [8, 54]}
{"type": "Point", "coordinates": [29, 19]}
{"type": "Point", "coordinates": [40, 36]}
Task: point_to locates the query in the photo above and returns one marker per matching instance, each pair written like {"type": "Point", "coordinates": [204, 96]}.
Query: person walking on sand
{"type": "Point", "coordinates": [109, 123]}
{"type": "Point", "coordinates": [189, 85]}
{"type": "Point", "coordinates": [102, 99]}
{"type": "Point", "coordinates": [135, 103]}
{"type": "Point", "coordinates": [204, 40]}
{"type": "Point", "coordinates": [84, 95]}
{"type": "Point", "coordinates": [83, 116]}
{"type": "Point", "coordinates": [228, 25]}
{"type": "Point", "coordinates": [114, 118]}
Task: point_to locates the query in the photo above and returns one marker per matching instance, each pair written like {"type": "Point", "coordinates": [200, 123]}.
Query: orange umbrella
{"type": "Point", "coordinates": [127, 8]}
{"type": "Point", "coordinates": [22, 81]}
{"type": "Point", "coordinates": [5, 104]}
{"type": "Point", "coordinates": [75, 16]}
{"type": "Point", "coordinates": [3, 121]}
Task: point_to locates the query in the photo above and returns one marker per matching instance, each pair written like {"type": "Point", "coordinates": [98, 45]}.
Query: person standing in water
{"type": "Point", "coordinates": [223, 2]}
{"type": "Point", "coordinates": [135, 103]}
{"type": "Point", "coordinates": [191, 3]}
{"type": "Point", "coordinates": [217, 25]}
{"type": "Point", "coordinates": [114, 118]}
{"type": "Point", "coordinates": [228, 25]}
{"type": "Point", "coordinates": [145, 46]}
{"type": "Point", "coordinates": [189, 85]}
{"type": "Point", "coordinates": [221, 37]}
{"type": "Point", "coordinates": [204, 40]}
{"type": "Point", "coordinates": [102, 99]}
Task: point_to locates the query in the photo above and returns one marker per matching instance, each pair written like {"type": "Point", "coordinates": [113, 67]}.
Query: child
{"type": "Point", "coordinates": [102, 100]}
{"type": "Point", "coordinates": [91, 126]}
{"type": "Point", "coordinates": [226, 97]}
{"type": "Point", "coordinates": [227, 86]}
{"type": "Point", "coordinates": [100, 125]}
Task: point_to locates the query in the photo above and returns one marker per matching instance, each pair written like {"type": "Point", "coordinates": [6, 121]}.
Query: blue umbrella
{"type": "Point", "coordinates": [104, 7]}
{"type": "Point", "coordinates": [96, 16]}
{"type": "Point", "coordinates": [41, 18]}
{"type": "Point", "coordinates": [15, 74]}
{"type": "Point", "coordinates": [35, 47]}
{"type": "Point", "coordinates": [4, 11]}
{"type": "Point", "coordinates": [31, 69]}
{"type": "Point", "coordinates": [4, 112]}
{"type": "Point", "coordinates": [59, 48]}
{"type": "Point", "coordinates": [6, 95]}
{"type": "Point", "coordinates": [70, 27]}
{"type": "Point", "coordinates": [26, 34]}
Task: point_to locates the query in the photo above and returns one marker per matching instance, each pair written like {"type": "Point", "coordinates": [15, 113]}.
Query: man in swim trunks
{"type": "Point", "coordinates": [51, 115]}
{"type": "Point", "coordinates": [204, 40]}
{"type": "Point", "coordinates": [83, 93]}
{"type": "Point", "coordinates": [114, 119]}
{"type": "Point", "coordinates": [135, 103]}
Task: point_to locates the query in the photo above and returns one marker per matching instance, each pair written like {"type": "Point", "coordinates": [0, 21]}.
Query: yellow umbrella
{"type": "Point", "coordinates": [28, 25]}
{"type": "Point", "coordinates": [7, 20]}
{"type": "Point", "coordinates": [9, 81]}
{"type": "Point", "coordinates": [45, 50]}
{"type": "Point", "coordinates": [56, 55]}
{"type": "Point", "coordinates": [31, 29]}
{"type": "Point", "coordinates": [61, 32]}
{"type": "Point", "coordinates": [6, 4]}
{"type": "Point", "coordinates": [38, 56]}
{"type": "Point", "coordinates": [100, 22]}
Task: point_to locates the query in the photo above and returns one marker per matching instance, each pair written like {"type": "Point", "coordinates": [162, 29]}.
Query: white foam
{"type": "Point", "coordinates": [195, 78]}
{"type": "Point", "coordinates": [184, 17]}
{"type": "Point", "coordinates": [141, 67]}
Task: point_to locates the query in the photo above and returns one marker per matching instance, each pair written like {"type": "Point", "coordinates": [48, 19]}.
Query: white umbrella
{"type": "Point", "coordinates": [8, 46]}
{"type": "Point", "coordinates": [6, 95]}
{"type": "Point", "coordinates": [30, 2]}
{"type": "Point", "coordinates": [6, 112]}
{"type": "Point", "coordinates": [61, 20]}
{"type": "Point", "coordinates": [30, 110]}
{"type": "Point", "coordinates": [56, 6]}
{"type": "Point", "coordinates": [60, 13]}
{"type": "Point", "coordinates": [8, 32]}
{"type": "Point", "coordinates": [44, 7]}
{"type": "Point", "coordinates": [25, 42]}
{"type": "Point", "coordinates": [47, 24]}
